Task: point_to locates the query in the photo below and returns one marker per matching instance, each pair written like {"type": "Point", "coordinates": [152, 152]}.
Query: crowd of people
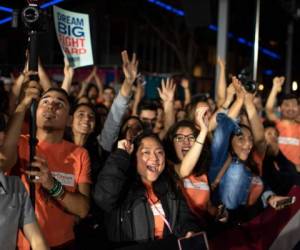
{"type": "Point", "coordinates": [113, 170]}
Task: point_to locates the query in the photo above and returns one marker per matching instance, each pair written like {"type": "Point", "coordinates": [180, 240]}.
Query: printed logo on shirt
{"type": "Point", "coordinates": [256, 180]}
{"type": "Point", "coordinates": [187, 183]}
{"type": "Point", "coordinates": [65, 179]}
{"type": "Point", "coordinates": [157, 209]}
{"type": "Point", "coordinates": [289, 141]}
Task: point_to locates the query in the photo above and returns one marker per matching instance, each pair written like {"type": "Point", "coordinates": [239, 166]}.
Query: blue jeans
{"type": "Point", "coordinates": [234, 186]}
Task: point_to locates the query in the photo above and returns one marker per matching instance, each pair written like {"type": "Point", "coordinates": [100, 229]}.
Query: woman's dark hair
{"type": "Point", "coordinates": [165, 182]}
{"type": "Point", "coordinates": [68, 132]}
{"type": "Point", "coordinates": [124, 126]}
{"type": "Point", "coordinates": [250, 161]}
{"type": "Point", "coordinates": [191, 108]}
{"type": "Point", "coordinates": [90, 86]}
{"type": "Point", "coordinates": [205, 157]}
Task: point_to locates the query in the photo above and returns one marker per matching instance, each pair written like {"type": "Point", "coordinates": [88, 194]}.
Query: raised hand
{"type": "Point", "coordinates": [230, 91]}
{"type": "Point", "coordinates": [31, 92]}
{"type": "Point", "coordinates": [239, 89]}
{"type": "Point", "coordinates": [221, 63]}
{"type": "Point", "coordinates": [68, 70]}
{"type": "Point", "coordinates": [278, 82]}
{"type": "Point", "coordinates": [185, 83]}
{"type": "Point", "coordinates": [130, 68]}
{"type": "Point", "coordinates": [125, 145]}
{"type": "Point", "coordinates": [201, 118]}
{"type": "Point", "coordinates": [167, 90]}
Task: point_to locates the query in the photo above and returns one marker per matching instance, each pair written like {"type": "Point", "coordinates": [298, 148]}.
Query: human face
{"type": "Point", "coordinates": [148, 117]}
{"type": "Point", "coordinates": [242, 144]}
{"type": "Point", "coordinates": [150, 160]}
{"type": "Point", "coordinates": [52, 111]}
{"type": "Point", "coordinates": [93, 93]}
{"type": "Point", "coordinates": [83, 121]}
{"type": "Point", "coordinates": [108, 95]}
{"type": "Point", "coordinates": [289, 109]}
{"type": "Point", "coordinates": [183, 141]}
{"type": "Point", "coordinates": [133, 129]}
{"type": "Point", "coordinates": [271, 135]}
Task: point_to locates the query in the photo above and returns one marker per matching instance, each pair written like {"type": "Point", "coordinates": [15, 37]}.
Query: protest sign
{"type": "Point", "coordinates": [73, 33]}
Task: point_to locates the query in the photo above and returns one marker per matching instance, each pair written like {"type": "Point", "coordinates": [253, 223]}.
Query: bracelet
{"type": "Point", "coordinates": [199, 142]}
{"type": "Point", "coordinates": [58, 190]}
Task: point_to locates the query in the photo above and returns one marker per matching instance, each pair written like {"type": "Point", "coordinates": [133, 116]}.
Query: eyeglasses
{"type": "Point", "coordinates": [181, 138]}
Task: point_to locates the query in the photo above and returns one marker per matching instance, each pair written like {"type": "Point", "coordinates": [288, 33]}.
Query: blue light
{"type": "Point", "coordinates": [213, 27]}
{"type": "Point", "coordinates": [5, 20]}
{"type": "Point", "coordinates": [268, 72]}
{"type": "Point", "coordinates": [6, 9]}
{"type": "Point", "coordinates": [241, 40]}
{"type": "Point", "coordinates": [46, 5]}
{"type": "Point", "coordinates": [167, 7]}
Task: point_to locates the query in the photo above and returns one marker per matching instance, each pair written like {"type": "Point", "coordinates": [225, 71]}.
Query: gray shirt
{"type": "Point", "coordinates": [15, 210]}
{"type": "Point", "coordinates": [110, 131]}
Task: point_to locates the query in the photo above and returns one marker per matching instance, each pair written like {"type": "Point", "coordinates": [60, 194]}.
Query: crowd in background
{"type": "Point", "coordinates": [114, 169]}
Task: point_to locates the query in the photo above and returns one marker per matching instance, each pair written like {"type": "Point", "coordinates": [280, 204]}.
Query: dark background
{"type": "Point", "coordinates": [164, 41]}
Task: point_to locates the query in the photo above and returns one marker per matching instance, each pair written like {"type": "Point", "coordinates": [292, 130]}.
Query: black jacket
{"type": "Point", "coordinates": [128, 214]}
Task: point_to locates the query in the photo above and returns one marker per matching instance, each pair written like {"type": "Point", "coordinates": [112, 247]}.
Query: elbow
{"type": "Point", "coordinates": [84, 211]}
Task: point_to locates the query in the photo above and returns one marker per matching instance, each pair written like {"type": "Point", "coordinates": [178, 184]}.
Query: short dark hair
{"type": "Point", "coordinates": [287, 97]}
{"type": "Point", "coordinates": [59, 90]}
{"type": "Point", "coordinates": [146, 105]}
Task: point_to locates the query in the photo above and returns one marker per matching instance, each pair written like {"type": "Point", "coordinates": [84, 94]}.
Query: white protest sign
{"type": "Point", "coordinates": [73, 33]}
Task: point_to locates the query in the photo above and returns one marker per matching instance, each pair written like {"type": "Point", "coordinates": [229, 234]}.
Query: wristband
{"type": "Point", "coordinates": [199, 142]}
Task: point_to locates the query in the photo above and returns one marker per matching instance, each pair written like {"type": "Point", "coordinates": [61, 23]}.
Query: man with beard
{"type": "Point", "coordinates": [61, 169]}
{"type": "Point", "coordinates": [288, 127]}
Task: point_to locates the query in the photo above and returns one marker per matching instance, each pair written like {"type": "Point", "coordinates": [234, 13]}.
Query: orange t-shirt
{"type": "Point", "coordinates": [157, 211]}
{"type": "Point", "coordinates": [70, 165]}
{"type": "Point", "coordinates": [289, 140]}
{"type": "Point", "coordinates": [196, 191]}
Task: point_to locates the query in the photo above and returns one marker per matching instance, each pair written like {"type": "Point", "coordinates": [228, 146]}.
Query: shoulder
{"type": "Point", "coordinates": [15, 185]}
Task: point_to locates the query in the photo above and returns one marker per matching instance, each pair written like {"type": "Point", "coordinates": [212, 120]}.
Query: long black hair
{"type": "Point", "coordinates": [165, 183]}
{"type": "Point", "coordinates": [250, 163]}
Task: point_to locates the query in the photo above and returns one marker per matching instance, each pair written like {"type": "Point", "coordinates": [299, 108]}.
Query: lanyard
{"type": "Point", "coordinates": [161, 215]}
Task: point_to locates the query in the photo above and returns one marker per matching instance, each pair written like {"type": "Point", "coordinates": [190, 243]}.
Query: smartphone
{"type": "Point", "coordinates": [285, 202]}
{"type": "Point", "coordinates": [198, 241]}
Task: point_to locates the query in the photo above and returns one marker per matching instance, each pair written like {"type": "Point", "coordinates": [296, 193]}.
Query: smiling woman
{"type": "Point", "coordinates": [140, 196]}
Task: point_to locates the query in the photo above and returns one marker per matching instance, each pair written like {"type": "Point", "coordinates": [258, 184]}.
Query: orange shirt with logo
{"type": "Point", "coordinates": [289, 140]}
{"type": "Point", "coordinates": [70, 165]}
{"type": "Point", "coordinates": [196, 191]}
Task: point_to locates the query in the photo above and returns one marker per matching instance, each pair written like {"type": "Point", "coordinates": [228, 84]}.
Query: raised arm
{"type": "Point", "coordinates": [44, 79]}
{"type": "Point", "coordinates": [8, 155]}
{"type": "Point", "coordinates": [277, 86]}
{"type": "Point", "coordinates": [138, 96]}
{"type": "Point", "coordinates": [84, 84]}
{"type": "Point", "coordinates": [99, 83]}
{"type": "Point", "coordinates": [230, 93]}
{"type": "Point", "coordinates": [221, 87]}
{"type": "Point", "coordinates": [235, 109]}
{"type": "Point", "coordinates": [112, 125]}
{"type": "Point", "coordinates": [166, 94]}
{"type": "Point", "coordinates": [68, 73]}
{"type": "Point", "coordinates": [257, 127]}
{"type": "Point", "coordinates": [185, 84]}
{"type": "Point", "coordinates": [191, 158]}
